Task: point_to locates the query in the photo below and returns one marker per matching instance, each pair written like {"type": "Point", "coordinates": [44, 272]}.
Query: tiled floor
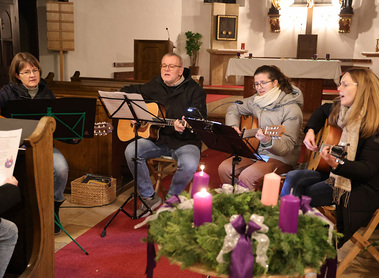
{"type": "Point", "coordinates": [78, 220]}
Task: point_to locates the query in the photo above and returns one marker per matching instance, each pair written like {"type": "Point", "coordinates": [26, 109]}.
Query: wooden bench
{"type": "Point", "coordinates": [123, 75]}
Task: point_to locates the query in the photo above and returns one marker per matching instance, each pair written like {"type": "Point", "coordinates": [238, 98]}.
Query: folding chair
{"type": "Point", "coordinates": [361, 243]}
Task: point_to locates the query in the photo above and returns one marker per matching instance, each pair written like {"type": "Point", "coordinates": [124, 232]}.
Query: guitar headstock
{"type": "Point", "coordinates": [102, 128]}
{"type": "Point", "coordinates": [338, 151]}
{"type": "Point", "coordinates": [274, 131]}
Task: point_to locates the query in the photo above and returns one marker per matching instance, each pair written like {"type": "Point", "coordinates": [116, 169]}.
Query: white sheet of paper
{"type": "Point", "coordinates": [113, 100]}
{"type": "Point", "coordinates": [9, 142]}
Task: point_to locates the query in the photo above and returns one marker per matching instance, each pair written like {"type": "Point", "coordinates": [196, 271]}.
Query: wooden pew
{"type": "Point", "coordinates": [34, 252]}
{"type": "Point", "coordinates": [112, 82]}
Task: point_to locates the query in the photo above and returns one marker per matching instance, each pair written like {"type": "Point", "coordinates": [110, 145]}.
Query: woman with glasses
{"type": "Point", "coordinates": [26, 83]}
{"type": "Point", "coordinates": [353, 183]}
{"type": "Point", "coordinates": [276, 102]}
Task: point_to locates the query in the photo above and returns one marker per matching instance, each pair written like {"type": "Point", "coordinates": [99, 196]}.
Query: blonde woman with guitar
{"type": "Point", "coordinates": [276, 102]}
{"type": "Point", "coordinates": [353, 181]}
{"type": "Point", "coordinates": [176, 91]}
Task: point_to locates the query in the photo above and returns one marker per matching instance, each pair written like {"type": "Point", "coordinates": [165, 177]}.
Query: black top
{"type": "Point", "coordinates": [9, 196]}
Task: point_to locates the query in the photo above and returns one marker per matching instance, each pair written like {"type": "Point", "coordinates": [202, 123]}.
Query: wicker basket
{"type": "Point", "coordinates": [93, 192]}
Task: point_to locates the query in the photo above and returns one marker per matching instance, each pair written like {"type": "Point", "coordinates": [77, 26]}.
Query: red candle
{"type": "Point", "coordinates": [289, 214]}
{"type": "Point", "coordinates": [270, 189]}
{"type": "Point", "coordinates": [202, 207]}
{"type": "Point", "coordinates": [200, 180]}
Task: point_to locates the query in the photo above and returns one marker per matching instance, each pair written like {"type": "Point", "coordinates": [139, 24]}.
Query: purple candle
{"type": "Point", "coordinates": [200, 180]}
{"type": "Point", "coordinates": [202, 207]}
{"type": "Point", "coordinates": [289, 214]}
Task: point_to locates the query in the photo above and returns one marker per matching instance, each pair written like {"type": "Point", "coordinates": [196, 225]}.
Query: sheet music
{"type": "Point", "coordinates": [9, 142]}
{"type": "Point", "coordinates": [113, 101]}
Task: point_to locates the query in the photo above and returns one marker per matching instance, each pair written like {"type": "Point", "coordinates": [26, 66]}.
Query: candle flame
{"type": "Point", "coordinates": [202, 167]}
{"type": "Point", "coordinates": [203, 190]}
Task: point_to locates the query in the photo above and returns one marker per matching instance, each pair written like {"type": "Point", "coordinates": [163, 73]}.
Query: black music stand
{"type": "Point", "coordinates": [128, 106]}
{"type": "Point", "coordinates": [217, 136]}
{"type": "Point", "coordinates": [74, 117]}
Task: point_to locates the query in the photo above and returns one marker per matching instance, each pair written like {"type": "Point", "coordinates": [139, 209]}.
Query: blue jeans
{"type": "Point", "coordinates": [8, 240]}
{"type": "Point", "coordinates": [60, 175]}
{"type": "Point", "coordinates": [310, 183]}
{"type": "Point", "coordinates": [187, 158]}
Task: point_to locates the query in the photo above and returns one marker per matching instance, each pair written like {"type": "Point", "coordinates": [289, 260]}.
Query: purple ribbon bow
{"type": "Point", "coordinates": [305, 204]}
{"type": "Point", "coordinates": [170, 202]}
{"type": "Point", "coordinates": [242, 261]}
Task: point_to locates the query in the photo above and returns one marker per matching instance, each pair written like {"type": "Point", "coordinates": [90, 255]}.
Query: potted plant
{"type": "Point", "coordinates": [193, 45]}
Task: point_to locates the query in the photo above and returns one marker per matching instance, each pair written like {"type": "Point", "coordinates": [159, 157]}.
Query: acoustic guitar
{"type": "Point", "coordinates": [148, 130]}
{"type": "Point", "coordinates": [249, 127]}
{"type": "Point", "coordinates": [328, 135]}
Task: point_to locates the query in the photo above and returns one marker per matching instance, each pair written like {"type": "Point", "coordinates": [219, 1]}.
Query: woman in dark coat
{"type": "Point", "coordinates": [26, 83]}
{"type": "Point", "coordinates": [353, 184]}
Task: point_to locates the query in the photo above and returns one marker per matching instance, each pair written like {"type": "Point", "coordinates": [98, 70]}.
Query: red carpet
{"type": "Point", "coordinates": [214, 97]}
{"type": "Point", "coordinates": [121, 253]}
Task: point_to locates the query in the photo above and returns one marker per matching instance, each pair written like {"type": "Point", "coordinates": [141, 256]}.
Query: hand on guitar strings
{"type": "Point", "coordinates": [330, 159]}
{"type": "Point", "coordinates": [309, 141]}
{"type": "Point", "coordinates": [180, 126]}
{"type": "Point", "coordinates": [262, 137]}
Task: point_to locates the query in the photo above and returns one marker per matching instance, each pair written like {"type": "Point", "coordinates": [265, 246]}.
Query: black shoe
{"type": "Point", "coordinates": [152, 203]}
{"type": "Point", "coordinates": [57, 229]}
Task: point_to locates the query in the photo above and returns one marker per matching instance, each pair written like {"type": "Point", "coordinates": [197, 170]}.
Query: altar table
{"type": "Point", "coordinates": [308, 75]}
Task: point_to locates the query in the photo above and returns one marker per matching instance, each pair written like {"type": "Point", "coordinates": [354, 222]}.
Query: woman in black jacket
{"type": "Point", "coordinates": [26, 83]}
{"type": "Point", "coordinates": [353, 184]}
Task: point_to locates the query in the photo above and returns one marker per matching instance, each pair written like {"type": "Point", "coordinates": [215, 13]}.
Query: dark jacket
{"type": "Point", "coordinates": [175, 100]}
{"type": "Point", "coordinates": [364, 175]}
{"type": "Point", "coordinates": [19, 91]}
{"type": "Point", "coordinates": [9, 196]}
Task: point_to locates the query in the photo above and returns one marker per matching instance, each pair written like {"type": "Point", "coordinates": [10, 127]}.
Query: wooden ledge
{"type": "Point", "coordinates": [371, 54]}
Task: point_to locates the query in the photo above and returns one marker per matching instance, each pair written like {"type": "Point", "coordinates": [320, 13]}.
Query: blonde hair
{"type": "Point", "coordinates": [366, 103]}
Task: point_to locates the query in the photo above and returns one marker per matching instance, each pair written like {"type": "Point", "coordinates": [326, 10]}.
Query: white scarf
{"type": "Point", "coordinates": [350, 135]}
{"type": "Point", "coordinates": [267, 98]}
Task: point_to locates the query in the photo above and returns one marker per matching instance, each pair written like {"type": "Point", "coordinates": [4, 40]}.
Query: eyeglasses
{"type": "Point", "coordinates": [345, 84]}
{"type": "Point", "coordinates": [171, 67]}
{"type": "Point", "coordinates": [262, 83]}
{"type": "Point", "coordinates": [28, 72]}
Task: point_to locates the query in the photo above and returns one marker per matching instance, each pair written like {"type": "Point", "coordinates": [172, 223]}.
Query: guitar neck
{"type": "Point", "coordinates": [169, 122]}
{"type": "Point", "coordinates": [272, 131]}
